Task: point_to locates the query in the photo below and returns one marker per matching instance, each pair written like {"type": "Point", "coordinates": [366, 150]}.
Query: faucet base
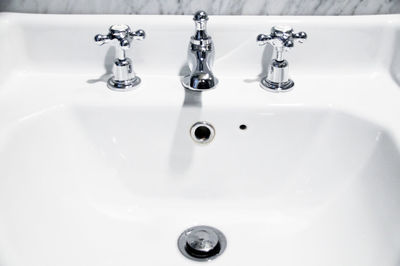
{"type": "Point", "coordinates": [276, 86]}
{"type": "Point", "coordinates": [123, 85]}
{"type": "Point", "coordinates": [194, 83]}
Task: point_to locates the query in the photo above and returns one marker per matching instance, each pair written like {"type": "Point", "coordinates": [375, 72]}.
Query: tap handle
{"type": "Point", "coordinates": [282, 37]}
{"type": "Point", "coordinates": [122, 34]}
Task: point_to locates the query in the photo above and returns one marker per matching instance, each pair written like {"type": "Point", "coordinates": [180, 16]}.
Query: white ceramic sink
{"type": "Point", "coordinates": [89, 176]}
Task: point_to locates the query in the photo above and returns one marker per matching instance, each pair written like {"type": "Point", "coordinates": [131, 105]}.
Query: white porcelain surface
{"type": "Point", "coordinates": [89, 176]}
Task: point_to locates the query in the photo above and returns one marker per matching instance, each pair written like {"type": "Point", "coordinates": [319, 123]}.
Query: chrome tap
{"type": "Point", "coordinates": [201, 47]}
{"type": "Point", "coordinates": [282, 39]}
{"type": "Point", "coordinates": [124, 77]}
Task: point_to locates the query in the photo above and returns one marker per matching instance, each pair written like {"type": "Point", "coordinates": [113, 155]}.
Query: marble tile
{"type": "Point", "coordinates": [214, 7]}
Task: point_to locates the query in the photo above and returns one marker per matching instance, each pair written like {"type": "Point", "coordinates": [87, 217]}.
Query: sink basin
{"type": "Point", "coordinates": [90, 176]}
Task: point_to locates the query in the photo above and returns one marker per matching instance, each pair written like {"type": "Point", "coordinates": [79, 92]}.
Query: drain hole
{"type": "Point", "coordinates": [202, 243]}
{"type": "Point", "coordinates": [202, 132]}
{"type": "Point", "coordinates": [199, 254]}
{"type": "Point", "coordinates": [243, 127]}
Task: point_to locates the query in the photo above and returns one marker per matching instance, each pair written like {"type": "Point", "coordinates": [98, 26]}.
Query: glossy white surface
{"type": "Point", "coordinates": [89, 176]}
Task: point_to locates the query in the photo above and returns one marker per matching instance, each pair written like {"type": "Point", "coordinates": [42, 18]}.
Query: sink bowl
{"type": "Point", "coordinates": [89, 176]}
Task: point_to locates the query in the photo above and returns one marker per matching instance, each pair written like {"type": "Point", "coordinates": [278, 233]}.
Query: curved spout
{"type": "Point", "coordinates": [202, 77]}
{"type": "Point", "coordinates": [200, 54]}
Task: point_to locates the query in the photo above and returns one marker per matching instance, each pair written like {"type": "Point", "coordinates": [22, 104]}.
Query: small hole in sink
{"type": "Point", "coordinates": [202, 132]}
{"type": "Point", "coordinates": [243, 127]}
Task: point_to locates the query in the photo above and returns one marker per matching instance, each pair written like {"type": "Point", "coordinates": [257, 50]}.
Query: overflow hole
{"type": "Point", "coordinates": [202, 133]}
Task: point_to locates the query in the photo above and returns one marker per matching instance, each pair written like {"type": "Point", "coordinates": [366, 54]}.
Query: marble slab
{"type": "Point", "coordinates": [213, 7]}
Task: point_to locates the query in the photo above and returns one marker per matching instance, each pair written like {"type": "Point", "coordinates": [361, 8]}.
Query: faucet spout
{"type": "Point", "coordinates": [200, 52]}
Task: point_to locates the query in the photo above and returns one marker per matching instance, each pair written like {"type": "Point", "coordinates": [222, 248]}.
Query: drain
{"type": "Point", "coordinates": [202, 132]}
{"type": "Point", "coordinates": [202, 243]}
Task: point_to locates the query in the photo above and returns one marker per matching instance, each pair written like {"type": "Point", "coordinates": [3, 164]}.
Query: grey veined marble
{"type": "Point", "coordinates": [215, 7]}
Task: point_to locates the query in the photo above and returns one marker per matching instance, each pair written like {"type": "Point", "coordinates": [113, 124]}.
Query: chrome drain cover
{"type": "Point", "coordinates": [202, 243]}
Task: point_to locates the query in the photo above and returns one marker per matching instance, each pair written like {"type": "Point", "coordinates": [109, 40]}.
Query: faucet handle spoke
{"type": "Point", "coordinates": [124, 44]}
{"type": "Point", "coordinates": [101, 39]}
{"type": "Point", "coordinates": [262, 39]}
{"type": "Point", "coordinates": [138, 35]}
{"type": "Point", "coordinates": [288, 43]}
{"type": "Point", "coordinates": [299, 36]}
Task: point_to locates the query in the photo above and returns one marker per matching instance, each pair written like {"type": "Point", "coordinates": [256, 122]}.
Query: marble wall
{"type": "Point", "coordinates": [214, 7]}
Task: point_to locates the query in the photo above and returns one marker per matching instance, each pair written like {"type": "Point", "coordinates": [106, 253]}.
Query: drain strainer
{"type": "Point", "coordinates": [202, 243]}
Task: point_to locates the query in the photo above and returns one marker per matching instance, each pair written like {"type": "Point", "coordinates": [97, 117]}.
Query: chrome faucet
{"type": "Point", "coordinates": [124, 77]}
{"type": "Point", "coordinates": [201, 47]}
{"type": "Point", "coordinates": [282, 39]}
